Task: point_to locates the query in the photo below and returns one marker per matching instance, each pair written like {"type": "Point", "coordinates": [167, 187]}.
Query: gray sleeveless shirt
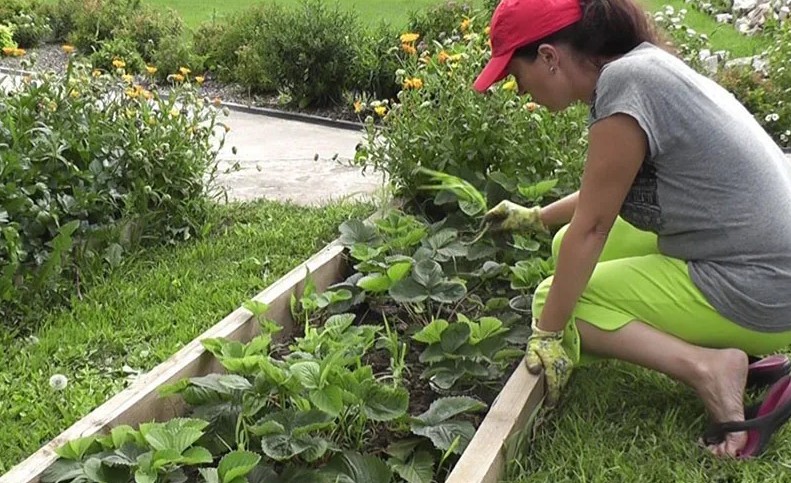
{"type": "Point", "coordinates": [714, 187]}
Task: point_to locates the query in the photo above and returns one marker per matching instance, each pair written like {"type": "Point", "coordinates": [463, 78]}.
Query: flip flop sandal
{"type": "Point", "coordinates": [763, 421]}
{"type": "Point", "coordinates": [767, 371]}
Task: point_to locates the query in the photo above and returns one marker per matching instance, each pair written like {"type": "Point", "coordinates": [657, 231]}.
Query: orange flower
{"type": "Point", "coordinates": [127, 78]}
{"type": "Point", "coordinates": [409, 49]}
{"type": "Point", "coordinates": [216, 102]}
{"type": "Point", "coordinates": [69, 49]}
{"type": "Point", "coordinates": [199, 79]}
{"type": "Point", "coordinates": [184, 70]}
{"type": "Point", "coordinates": [96, 73]}
{"type": "Point", "coordinates": [442, 57]}
{"type": "Point", "coordinates": [151, 69]}
{"type": "Point", "coordinates": [487, 30]}
{"type": "Point", "coordinates": [176, 77]}
{"type": "Point", "coordinates": [380, 110]}
{"type": "Point", "coordinates": [358, 106]}
{"type": "Point", "coordinates": [409, 38]}
{"type": "Point", "coordinates": [119, 64]}
{"type": "Point", "coordinates": [413, 83]}
{"type": "Point", "coordinates": [531, 106]}
{"type": "Point", "coordinates": [465, 24]}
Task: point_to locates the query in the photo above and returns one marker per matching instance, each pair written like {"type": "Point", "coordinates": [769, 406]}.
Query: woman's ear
{"type": "Point", "coordinates": [548, 54]}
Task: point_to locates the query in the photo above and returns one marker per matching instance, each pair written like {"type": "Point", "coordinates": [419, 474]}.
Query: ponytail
{"type": "Point", "coordinates": [608, 28]}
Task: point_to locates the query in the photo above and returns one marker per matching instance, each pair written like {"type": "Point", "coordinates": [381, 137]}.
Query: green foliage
{"type": "Point", "coordinates": [440, 423]}
{"type": "Point", "coordinates": [208, 38]}
{"type": "Point", "coordinates": [30, 29]}
{"type": "Point", "coordinates": [149, 29]}
{"type": "Point", "coordinates": [308, 51]}
{"type": "Point", "coordinates": [83, 184]}
{"type": "Point", "coordinates": [172, 54]}
{"type": "Point", "coordinates": [377, 59]}
{"type": "Point", "coordinates": [440, 21]}
{"type": "Point", "coordinates": [97, 20]}
{"type": "Point", "coordinates": [7, 37]}
{"type": "Point", "coordinates": [61, 16]}
{"type": "Point", "coordinates": [117, 49]}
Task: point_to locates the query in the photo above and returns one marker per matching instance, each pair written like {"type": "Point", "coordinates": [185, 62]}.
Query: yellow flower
{"type": "Point", "coordinates": [127, 78]}
{"type": "Point", "coordinates": [8, 50]}
{"type": "Point", "coordinates": [510, 85]}
{"type": "Point", "coordinates": [69, 49]}
{"type": "Point", "coordinates": [409, 38]}
{"type": "Point", "coordinates": [442, 57]}
{"type": "Point", "coordinates": [531, 106]}
{"type": "Point", "coordinates": [176, 77]}
{"type": "Point", "coordinates": [407, 84]}
{"type": "Point", "coordinates": [465, 24]}
{"type": "Point", "coordinates": [184, 70]}
{"type": "Point", "coordinates": [20, 52]}
{"type": "Point", "coordinates": [74, 93]}
{"type": "Point", "coordinates": [133, 93]}
{"type": "Point", "coordinates": [358, 106]}
{"type": "Point", "coordinates": [151, 69]}
{"type": "Point", "coordinates": [380, 110]}
{"type": "Point", "coordinates": [174, 112]}
{"type": "Point", "coordinates": [119, 64]}
{"type": "Point", "coordinates": [199, 79]}
{"type": "Point", "coordinates": [152, 121]}
{"type": "Point", "coordinates": [96, 72]}
{"type": "Point", "coordinates": [146, 93]}
{"type": "Point", "coordinates": [417, 83]}
{"type": "Point", "coordinates": [455, 58]}
{"type": "Point", "coordinates": [409, 49]}
{"type": "Point", "coordinates": [52, 106]}
{"type": "Point", "coordinates": [487, 30]}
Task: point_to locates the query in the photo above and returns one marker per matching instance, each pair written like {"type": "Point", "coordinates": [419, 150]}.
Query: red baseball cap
{"type": "Point", "coordinates": [517, 23]}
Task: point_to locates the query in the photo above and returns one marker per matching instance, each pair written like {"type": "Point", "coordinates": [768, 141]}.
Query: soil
{"type": "Point", "coordinates": [50, 57]}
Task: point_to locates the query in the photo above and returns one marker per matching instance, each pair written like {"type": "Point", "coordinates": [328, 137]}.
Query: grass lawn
{"type": "Point", "coordinates": [395, 11]}
{"type": "Point", "coordinates": [621, 423]}
{"type": "Point", "coordinates": [145, 311]}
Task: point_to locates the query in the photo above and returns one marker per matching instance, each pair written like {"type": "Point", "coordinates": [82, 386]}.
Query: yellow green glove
{"type": "Point", "coordinates": [509, 216]}
{"type": "Point", "coordinates": [545, 351]}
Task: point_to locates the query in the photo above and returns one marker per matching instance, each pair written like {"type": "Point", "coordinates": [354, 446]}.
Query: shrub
{"type": "Point", "coordinates": [117, 49]}
{"type": "Point", "coordinates": [95, 21]}
{"type": "Point", "coordinates": [175, 53]}
{"type": "Point", "coordinates": [30, 29]}
{"type": "Point", "coordinates": [148, 29]}
{"type": "Point", "coordinates": [377, 59]}
{"type": "Point", "coordinates": [60, 17]}
{"type": "Point", "coordinates": [439, 21]}
{"type": "Point", "coordinates": [94, 167]}
{"type": "Point", "coordinates": [494, 141]}
{"type": "Point", "coordinates": [309, 50]}
{"type": "Point", "coordinates": [7, 37]}
{"type": "Point", "coordinates": [251, 70]}
{"type": "Point", "coordinates": [207, 39]}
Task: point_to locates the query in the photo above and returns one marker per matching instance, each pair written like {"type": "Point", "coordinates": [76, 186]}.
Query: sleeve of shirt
{"type": "Point", "coordinates": [622, 89]}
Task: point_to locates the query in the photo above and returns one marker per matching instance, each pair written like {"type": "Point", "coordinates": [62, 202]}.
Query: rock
{"type": "Point", "coordinates": [711, 64]}
{"type": "Point", "coordinates": [740, 62]}
{"type": "Point", "coordinates": [704, 53]}
{"type": "Point", "coordinates": [744, 5]}
{"type": "Point", "coordinates": [757, 17]}
{"type": "Point", "coordinates": [783, 13]}
{"type": "Point", "coordinates": [742, 25]}
{"type": "Point", "coordinates": [723, 17]}
{"type": "Point", "coordinates": [760, 64]}
{"type": "Point", "coordinates": [723, 54]}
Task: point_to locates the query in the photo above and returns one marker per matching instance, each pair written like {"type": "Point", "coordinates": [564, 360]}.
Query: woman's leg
{"type": "Point", "coordinates": [623, 241]}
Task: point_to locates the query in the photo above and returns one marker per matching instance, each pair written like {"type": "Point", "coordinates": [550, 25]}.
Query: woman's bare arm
{"type": "Point", "coordinates": [560, 212]}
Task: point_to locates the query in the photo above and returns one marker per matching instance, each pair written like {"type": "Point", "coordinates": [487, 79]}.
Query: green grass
{"type": "Point", "coordinates": [370, 11]}
{"type": "Point", "coordinates": [722, 36]}
{"type": "Point", "coordinates": [145, 311]}
{"type": "Point", "coordinates": [620, 423]}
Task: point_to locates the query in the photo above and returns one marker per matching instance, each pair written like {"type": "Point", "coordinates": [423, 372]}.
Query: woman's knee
{"type": "Point", "coordinates": [540, 296]}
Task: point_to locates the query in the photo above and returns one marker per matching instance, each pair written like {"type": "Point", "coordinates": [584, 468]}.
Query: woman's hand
{"type": "Point", "coordinates": [545, 351]}
{"type": "Point", "coordinates": [509, 216]}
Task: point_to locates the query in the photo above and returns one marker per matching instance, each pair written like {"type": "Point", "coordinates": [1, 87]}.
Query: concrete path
{"type": "Point", "coordinates": [276, 158]}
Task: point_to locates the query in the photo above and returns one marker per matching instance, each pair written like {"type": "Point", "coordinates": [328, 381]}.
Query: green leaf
{"type": "Point", "coordinates": [399, 270]}
{"type": "Point", "coordinates": [408, 291]}
{"type": "Point", "coordinates": [164, 438]}
{"type": "Point", "coordinates": [278, 447]}
{"type": "Point", "coordinates": [328, 399]}
{"type": "Point", "coordinates": [222, 383]}
{"type": "Point", "coordinates": [445, 433]}
{"type": "Point", "coordinates": [402, 449]}
{"type": "Point", "coordinates": [350, 467]}
{"type": "Point", "coordinates": [454, 336]}
{"type": "Point", "coordinates": [312, 420]}
{"type": "Point", "coordinates": [338, 323]}
{"type": "Point", "coordinates": [196, 455]}
{"type": "Point", "coordinates": [427, 273]}
{"type": "Point", "coordinates": [364, 253]}
{"type": "Point", "coordinates": [77, 448]}
{"type": "Point", "coordinates": [145, 476]}
{"type": "Point", "coordinates": [247, 365]}
{"type": "Point", "coordinates": [385, 403]}
{"type": "Point", "coordinates": [310, 448]}
{"type": "Point", "coordinates": [447, 407]}
{"type": "Point", "coordinates": [356, 231]}
{"type": "Point", "coordinates": [535, 191]}
{"type": "Point", "coordinates": [123, 434]}
{"type": "Point", "coordinates": [442, 378]}
{"type": "Point", "coordinates": [308, 373]}
{"type": "Point", "coordinates": [257, 307]}
{"type": "Point", "coordinates": [375, 283]}
{"type": "Point", "coordinates": [464, 190]}
{"type": "Point", "coordinates": [210, 475]}
{"type": "Point", "coordinates": [525, 243]}
{"type": "Point", "coordinates": [448, 292]}
{"type": "Point", "coordinates": [61, 471]}
{"type": "Point", "coordinates": [485, 328]}
{"type": "Point", "coordinates": [470, 208]}
{"type": "Point", "coordinates": [419, 468]}
{"type": "Point", "coordinates": [237, 464]}
{"type": "Point", "coordinates": [268, 428]}
{"type": "Point", "coordinates": [504, 180]}
{"type": "Point", "coordinates": [431, 334]}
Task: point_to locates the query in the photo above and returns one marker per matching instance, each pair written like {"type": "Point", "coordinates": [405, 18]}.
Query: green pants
{"type": "Point", "coordinates": [633, 281]}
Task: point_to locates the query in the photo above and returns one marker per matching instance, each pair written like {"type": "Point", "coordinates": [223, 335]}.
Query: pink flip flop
{"type": "Point", "coordinates": [767, 371]}
{"type": "Point", "coordinates": [763, 421]}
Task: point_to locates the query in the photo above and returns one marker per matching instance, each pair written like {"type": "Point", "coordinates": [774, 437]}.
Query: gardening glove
{"type": "Point", "coordinates": [509, 216]}
{"type": "Point", "coordinates": [544, 351]}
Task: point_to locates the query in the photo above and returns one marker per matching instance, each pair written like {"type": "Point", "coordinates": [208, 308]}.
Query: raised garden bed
{"type": "Point", "coordinates": [428, 407]}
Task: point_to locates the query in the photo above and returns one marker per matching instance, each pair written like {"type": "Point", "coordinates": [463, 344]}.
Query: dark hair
{"type": "Point", "coordinates": [608, 28]}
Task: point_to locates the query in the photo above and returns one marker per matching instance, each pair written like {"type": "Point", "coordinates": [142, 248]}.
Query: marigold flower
{"type": "Point", "coordinates": [199, 79]}
{"type": "Point", "coordinates": [417, 83]}
{"type": "Point", "coordinates": [74, 93]}
{"type": "Point", "coordinates": [176, 77]}
{"type": "Point", "coordinates": [184, 71]}
{"type": "Point", "coordinates": [409, 49]}
{"type": "Point", "coordinates": [174, 112]}
{"type": "Point", "coordinates": [358, 106]}
{"type": "Point", "coordinates": [133, 93]}
{"type": "Point", "coordinates": [465, 24]}
{"type": "Point", "coordinates": [20, 52]}
{"type": "Point", "coordinates": [380, 110]}
{"type": "Point", "coordinates": [8, 50]}
{"type": "Point", "coordinates": [128, 78]}
{"type": "Point", "coordinates": [487, 30]}
{"type": "Point", "coordinates": [216, 102]}
{"type": "Point", "coordinates": [531, 106]}
{"type": "Point", "coordinates": [69, 49]}
{"type": "Point", "coordinates": [151, 69]}
{"type": "Point", "coordinates": [119, 64]}
{"type": "Point", "coordinates": [442, 57]}
{"type": "Point", "coordinates": [510, 85]}
{"type": "Point", "coordinates": [96, 72]}
{"type": "Point", "coordinates": [409, 38]}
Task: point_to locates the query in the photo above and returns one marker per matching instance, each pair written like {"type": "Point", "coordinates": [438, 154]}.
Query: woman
{"type": "Point", "coordinates": [695, 273]}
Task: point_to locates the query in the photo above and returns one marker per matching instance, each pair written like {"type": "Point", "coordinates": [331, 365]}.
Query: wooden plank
{"type": "Point", "coordinates": [484, 459]}
{"type": "Point", "coordinates": [141, 402]}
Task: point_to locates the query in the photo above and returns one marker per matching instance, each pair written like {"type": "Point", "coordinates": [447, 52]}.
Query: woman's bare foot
{"type": "Point", "coordinates": [722, 377]}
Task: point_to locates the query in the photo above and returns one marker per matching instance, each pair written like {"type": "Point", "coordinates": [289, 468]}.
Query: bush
{"type": "Point", "coordinates": [30, 29]}
{"type": "Point", "coordinates": [7, 37]}
{"type": "Point", "coordinates": [377, 59]}
{"type": "Point", "coordinates": [148, 29]}
{"type": "Point", "coordinates": [95, 21]}
{"type": "Point", "coordinates": [174, 54]}
{"type": "Point", "coordinates": [93, 168]}
{"type": "Point", "coordinates": [439, 21]}
{"type": "Point", "coordinates": [207, 39]}
{"type": "Point", "coordinates": [117, 49]}
{"type": "Point", "coordinates": [441, 123]}
{"type": "Point", "coordinates": [309, 50]}
{"type": "Point", "coordinates": [60, 17]}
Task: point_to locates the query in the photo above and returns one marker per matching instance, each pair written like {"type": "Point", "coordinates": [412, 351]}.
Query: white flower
{"type": "Point", "coordinates": [691, 32]}
{"type": "Point", "coordinates": [58, 382]}
{"type": "Point", "coordinates": [775, 116]}
{"type": "Point", "coordinates": [783, 137]}
{"type": "Point", "coordinates": [788, 132]}
{"type": "Point", "coordinates": [669, 10]}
